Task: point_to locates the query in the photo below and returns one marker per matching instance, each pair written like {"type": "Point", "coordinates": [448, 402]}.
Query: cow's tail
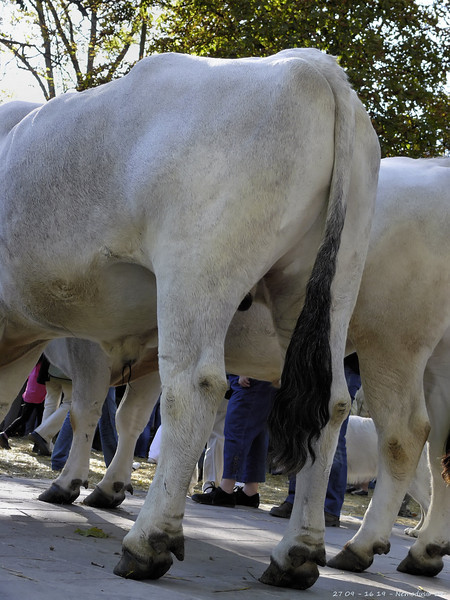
{"type": "Point", "coordinates": [446, 462]}
{"type": "Point", "coordinates": [301, 406]}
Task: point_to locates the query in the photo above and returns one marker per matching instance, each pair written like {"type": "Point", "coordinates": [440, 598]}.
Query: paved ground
{"type": "Point", "coordinates": [43, 555]}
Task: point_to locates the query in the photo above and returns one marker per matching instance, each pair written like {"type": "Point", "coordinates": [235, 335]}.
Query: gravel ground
{"type": "Point", "coordinates": [20, 461]}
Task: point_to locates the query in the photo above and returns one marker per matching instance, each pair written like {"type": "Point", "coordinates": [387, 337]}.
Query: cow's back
{"type": "Point", "coordinates": [106, 176]}
{"type": "Point", "coordinates": [410, 251]}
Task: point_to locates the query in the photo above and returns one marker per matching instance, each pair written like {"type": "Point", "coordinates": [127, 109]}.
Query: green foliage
{"type": "Point", "coordinates": [74, 43]}
{"type": "Point", "coordinates": [396, 53]}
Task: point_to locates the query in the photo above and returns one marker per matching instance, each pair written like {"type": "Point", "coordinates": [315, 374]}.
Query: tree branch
{"type": "Point", "coordinates": [92, 42]}
{"type": "Point", "coordinates": [47, 49]}
{"type": "Point", "coordinates": [68, 44]}
{"type": "Point", "coordinates": [118, 59]}
{"type": "Point", "coordinates": [143, 37]}
{"type": "Point", "coordinates": [27, 65]}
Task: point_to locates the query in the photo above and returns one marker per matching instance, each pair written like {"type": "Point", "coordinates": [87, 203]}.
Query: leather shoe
{"type": "Point", "coordinates": [217, 497]}
{"type": "Point", "coordinates": [244, 500]}
{"type": "Point", "coordinates": [331, 520]}
{"type": "Point", "coordinates": [4, 441]}
{"type": "Point", "coordinates": [41, 444]}
{"type": "Point", "coordinates": [283, 511]}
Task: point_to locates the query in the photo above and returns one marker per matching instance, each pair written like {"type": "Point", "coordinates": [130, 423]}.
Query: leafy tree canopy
{"type": "Point", "coordinates": [74, 43]}
{"type": "Point", "coordinates": [396, 52]}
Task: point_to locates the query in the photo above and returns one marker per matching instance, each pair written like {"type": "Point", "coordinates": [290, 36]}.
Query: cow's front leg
{"type": "Point", "coordinates": [294, 562]}
{"type": "Point", "coordinates": [131, 417]}
{"type": "Point", "coordinates": [188, 407]}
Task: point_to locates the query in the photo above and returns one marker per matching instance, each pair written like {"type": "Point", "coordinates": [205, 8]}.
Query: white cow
{"type": "Point", "coordinates": [140, 213]}
{"type": "Point", "coordinates": [362, 464]}
{"type": "Point", "coordinates": [400, 327]}
{"type": "Point", "coordinates": [84, 361]}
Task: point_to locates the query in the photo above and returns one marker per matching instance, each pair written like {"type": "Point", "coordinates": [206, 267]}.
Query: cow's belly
{"type": "Point", "coordinates": [114, 305]}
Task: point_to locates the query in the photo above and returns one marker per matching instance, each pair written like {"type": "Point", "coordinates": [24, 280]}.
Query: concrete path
{"type": "Point", "coordinates": [44, 556]}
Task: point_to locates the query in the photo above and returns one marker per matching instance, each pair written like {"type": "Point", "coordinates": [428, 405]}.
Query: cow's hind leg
{"type": "Point", "coordinates": [191, 341]}
{"type": "Point", "coordinates": [295, 560]}
{"type": "Point", "coordinates": [131, 417]}
{"type": "Point", "coordinates": [433, 542]}
{"type": "Point", "coordinates": [395, 399]}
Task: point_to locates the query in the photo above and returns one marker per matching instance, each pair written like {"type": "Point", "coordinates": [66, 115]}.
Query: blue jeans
{"type": "Point", "coordinates": [144, 440]}
{"type": "Point", "coordinates": [246, 434]}
{"type": "Point", "coordinates": [107, 429]}
{"type": "Point", "coordinates": [337, 483]}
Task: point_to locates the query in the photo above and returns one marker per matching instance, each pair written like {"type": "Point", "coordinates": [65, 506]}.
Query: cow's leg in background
{"type": "Point", "coordinates": [89, 368]}
{"type": "Point", "coordinates": [15, 374]}
{"type": "Point", "coordinates": [420, 490]}
{"type": "Point", "coordinates": [425, 556]}
{"type": "Point", "coordinates": [131, 417]}
{"type": "Point", "coordinates": [395, 400]}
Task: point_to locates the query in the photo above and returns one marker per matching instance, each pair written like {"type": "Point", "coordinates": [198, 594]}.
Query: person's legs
{"type": "Point", "coordinates": [52, 425]}
{"type": "Point", "coordinates": [143, 442]}
{"type": "Point", "coordinates": [246, 419]}
{"type": "Point", "coordinates": [284, 510]}
{"type": "Point", "coordinates": [254, 471]}
{"type": "Point", "coordinates": [337, 483]}
{"type": "Point", "coordinates": [107, 426]}
{"type": "Point", "coordinates": [62, 445]}
{"type": "Point", "coordinates": [52, 398]}
{"type": "Point", "coordinates": [26, 410]}
{"type": "Point", "coordinates": [213, 461]}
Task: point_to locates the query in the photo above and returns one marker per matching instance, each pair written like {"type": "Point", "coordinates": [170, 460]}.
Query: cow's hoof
{"type": "Point", "coordinates": [427, 567]}
{"type": "Point", "coordinates": [301, 577]}
{"type": "Point", "coordinates": [159, 562]}
{"type": "Point", "coordinates": [56, 494]}
{"type": "Point", "coordinates": [100, 499]}
{"type": "Point", "coordinates": [301, 571]}
{"type": "Point", "coordinates": [411, 531]}
{"type": "Point", "coordinates": [132, 567]}
{"type": "Point", "coordinates": [347, 560]}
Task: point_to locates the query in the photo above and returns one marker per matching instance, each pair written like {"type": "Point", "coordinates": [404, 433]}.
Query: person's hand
{"type": "Point", "coordinates": [244, 381]}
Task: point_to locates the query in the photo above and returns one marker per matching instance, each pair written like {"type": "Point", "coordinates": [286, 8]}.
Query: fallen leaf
{"type": "Point", "coordinates": [92, 532]}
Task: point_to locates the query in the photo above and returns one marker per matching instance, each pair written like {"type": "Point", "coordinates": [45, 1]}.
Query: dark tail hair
{"type": "Point", "coordinates": [445, 461]}
{"type": "Point", "coordinates": [300, 409]}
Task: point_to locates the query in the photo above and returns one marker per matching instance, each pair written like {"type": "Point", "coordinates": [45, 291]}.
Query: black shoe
{"type": "Point", "coordinates": [41, 444]}
{"type": "Point", "coordinates": [283, 511]}
{"type": "Point", "coordinates": [216, 498]}
{"type": "Point", "coordinates": [244, 500]}
{"type": "Point", "coordinates": [4, 441]}
{"type": "Point", "coordinates": [331, 520]}
{"type": "Point", "coordinates": [359, 492]}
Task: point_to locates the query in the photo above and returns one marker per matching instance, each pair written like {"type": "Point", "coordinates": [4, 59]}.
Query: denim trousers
{"type": "Point", "coordinates": [107, 430]}
{"type": "Point", "coordinates": [246, 435]}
